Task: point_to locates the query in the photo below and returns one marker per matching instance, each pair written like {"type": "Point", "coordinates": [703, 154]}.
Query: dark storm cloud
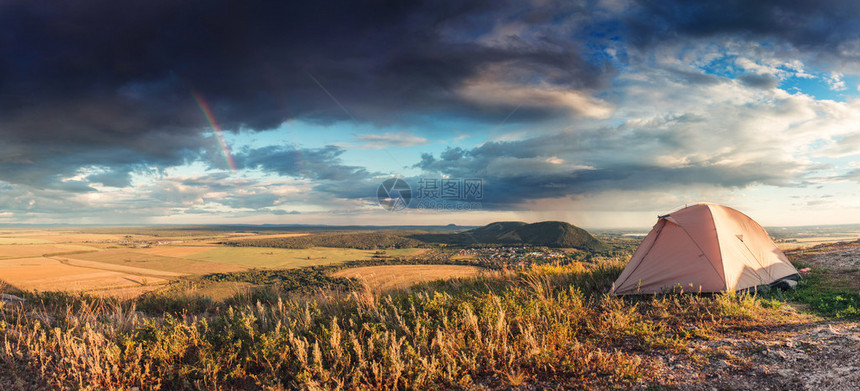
{"type": "Point", "coordinates": [516, 172]}
{"type": "Point", "coordinates": [52, 164]}
{"type": "Point", "coordinates": [825, 27]}
{"type": "Point", "coordinates": [113, 82]}
{"type": "Point", "coordinates": [131, 68]}
{"type": "Point", "coordinates": [93, 90]}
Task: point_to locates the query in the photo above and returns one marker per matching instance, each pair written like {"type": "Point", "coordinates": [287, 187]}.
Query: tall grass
{"type": "Point", "coordinates": [547, 324]}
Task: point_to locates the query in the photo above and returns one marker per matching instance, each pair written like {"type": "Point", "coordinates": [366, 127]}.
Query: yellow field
{"type": "Point", "coordinates": [16, 233]}
{"type": "Point", "coordinates": [405, 252]}
{"type": "Point", "coordinates": [382, 278]}
{"type": "Point", "coordinates": [23, 240]}
{"type": "Point", "coordinates": [78, 238]}
{"type": "Point", "coordinates": [174, 251]}
{"type": "Point", "coordinates": [139, 271]}
{"type": "Point", "coordinates": [141, 258]}
{"type": "Point", "coordinates": [44, 274]}
{"type": "Point", "coordinates": [9, 251]}
{"type": "Point", "coordinates": [112, 263]}
{"type": "Point", "coordinates": [814, 241]}
{"type": "Point", "coordinates": [280, 258]}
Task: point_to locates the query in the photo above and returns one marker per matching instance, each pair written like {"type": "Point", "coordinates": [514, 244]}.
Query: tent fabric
{"type": "Point", "coordinates": [703, 248]}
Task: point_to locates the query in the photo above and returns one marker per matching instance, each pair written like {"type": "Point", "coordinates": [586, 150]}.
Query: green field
{"type": "Point", "coordinates": [277, 258]}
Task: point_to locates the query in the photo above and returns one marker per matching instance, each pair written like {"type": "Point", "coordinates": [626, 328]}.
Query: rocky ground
{"type": "Point", "coordinates": [843, 256]}
{"type": "Point", "coordinates": [809, 356]}
{"type": "Point", "coordinates": [813, 354]}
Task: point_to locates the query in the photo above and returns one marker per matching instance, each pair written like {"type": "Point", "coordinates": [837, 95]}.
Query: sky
{"type": "Point", "coordinates": [604, 113]}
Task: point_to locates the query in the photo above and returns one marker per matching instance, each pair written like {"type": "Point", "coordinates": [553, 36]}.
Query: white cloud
{"type": "Point", "coordinates": [756, 67]}
{"type": "Point", "coordinates": [834, 80]}
{"type": "Point", "coordinates": [539, 96]}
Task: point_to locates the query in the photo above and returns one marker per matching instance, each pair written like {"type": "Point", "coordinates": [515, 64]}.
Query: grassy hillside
{"type": "Point", "coordinates": [494, 232]}
{"type": "Point", "coordinates": [559, 234]}
{"type": "Point", "coordinates": [544, 327]}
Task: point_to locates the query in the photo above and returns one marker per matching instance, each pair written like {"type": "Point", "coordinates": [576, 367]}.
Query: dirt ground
{"type": "Point", "coordinates": [809, 355]}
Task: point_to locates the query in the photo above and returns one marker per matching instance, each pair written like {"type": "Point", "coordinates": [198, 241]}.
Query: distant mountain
{"type": "Point", "coordinates": [546, 233]}
{"type": "Point", "coordinates": [559, 234]}
{"type": "Point", "coordinates": [495, 232]}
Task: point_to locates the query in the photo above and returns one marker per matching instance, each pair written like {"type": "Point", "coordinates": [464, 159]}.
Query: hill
{"type": "Point", "coordinates": [559, 234]}
{"type": "Point", "coordinates": [501, 231]}
{"type": "Point", "coordinates": [546, 233]}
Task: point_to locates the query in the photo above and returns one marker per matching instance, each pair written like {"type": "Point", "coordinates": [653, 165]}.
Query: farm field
{"type": "Point", "coordinates": [174, 251]}
{"type": "Point", "coordinates": [45, 274]}
{"type": "Point", "coordinates": [406, 252]}
{"type": "Point", "coordinates": [260, 257]}
{"type": "Point", "coordinates": [10, 251]}
{"type": "Point", "coordinates": [149, 261]}
{"type": "Point", "coordinates": [24, 240]}
{"type": "Point", "coordinates": [54, 236]}
{"type": "Point", "coordinates": [815, 240]}
{"type": "Point", "coordinates": [383, 278]}
{"type": "Point", "coordinates": [110, 262]}
{"type": "Point", "coordinates": [124, 262]}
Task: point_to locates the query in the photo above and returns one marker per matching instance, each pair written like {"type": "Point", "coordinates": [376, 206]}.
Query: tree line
{"type": "Point", "coordinates": [361, 241]}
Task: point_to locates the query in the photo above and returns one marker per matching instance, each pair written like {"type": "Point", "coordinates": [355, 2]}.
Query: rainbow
{"type": "Point", "coordinates": [216, 129]}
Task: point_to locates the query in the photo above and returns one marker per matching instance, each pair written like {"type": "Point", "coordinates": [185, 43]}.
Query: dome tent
{"type": "Point", "coordinates": [704, 248]}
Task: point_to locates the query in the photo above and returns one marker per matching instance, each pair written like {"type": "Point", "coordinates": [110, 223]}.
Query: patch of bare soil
{"type": "Point", "coordinates": [812, 356]}
{"type": "Point", "coordinates": [12, 379]}
{"type": "Point", "coordinates": [839, 263]}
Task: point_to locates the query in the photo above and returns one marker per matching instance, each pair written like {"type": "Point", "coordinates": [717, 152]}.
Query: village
{"type": "Point", "coordinates": [512, 256]}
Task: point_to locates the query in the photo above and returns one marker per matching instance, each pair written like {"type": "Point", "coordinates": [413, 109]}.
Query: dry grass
{"type": "Point", "coordinates": [383, 278]}
{"type": "Point", "coordinates": [548, 327]}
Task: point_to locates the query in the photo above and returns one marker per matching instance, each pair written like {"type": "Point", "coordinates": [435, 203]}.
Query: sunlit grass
{"type": "Point", "coordinates": [549, 322]}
